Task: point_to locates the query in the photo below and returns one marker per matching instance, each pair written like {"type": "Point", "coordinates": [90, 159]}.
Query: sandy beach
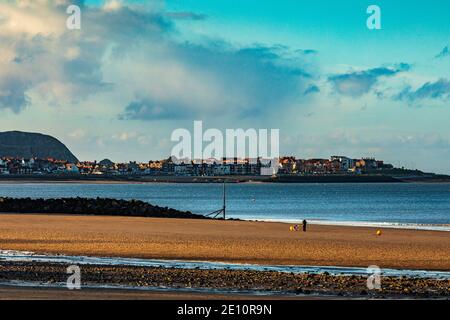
{"type": "Point", "coordinates": [230, 241]}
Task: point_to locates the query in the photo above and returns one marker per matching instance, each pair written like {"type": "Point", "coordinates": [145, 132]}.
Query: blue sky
{"type": "Point", "coordinates": [137, 70]}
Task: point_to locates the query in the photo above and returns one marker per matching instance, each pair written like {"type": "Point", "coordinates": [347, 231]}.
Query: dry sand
{"type": "Point", "coordinates": [231, 241]}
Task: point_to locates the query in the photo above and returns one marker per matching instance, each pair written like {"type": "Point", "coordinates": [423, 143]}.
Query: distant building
{"type": "Point", "coordinates": [267, 168]}
{"type": "Point", "coordinates": [287, 165]}
{"type": "Point", "coordinates": [346, 163]}
{"type": "Point", "coordinates": [72, 168]}
{"type": "Point", "coordinates": [168, 166]}
{"type": "Point", "coordinates": [221, 170]}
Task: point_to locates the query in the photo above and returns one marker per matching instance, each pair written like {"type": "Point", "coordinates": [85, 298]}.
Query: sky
{"type": "Point", "coordinates": [137, 70]}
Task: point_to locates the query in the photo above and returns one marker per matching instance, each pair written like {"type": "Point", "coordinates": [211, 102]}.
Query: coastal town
{"type": "Point", "coordinates": [335, 165]}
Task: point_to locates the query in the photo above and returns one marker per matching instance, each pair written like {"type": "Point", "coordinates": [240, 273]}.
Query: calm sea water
{"type": "Point", "coordinates": [409, 203]}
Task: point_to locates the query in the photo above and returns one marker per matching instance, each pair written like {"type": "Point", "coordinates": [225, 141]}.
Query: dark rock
{"type": "Point", "coordinates": [98, 206]}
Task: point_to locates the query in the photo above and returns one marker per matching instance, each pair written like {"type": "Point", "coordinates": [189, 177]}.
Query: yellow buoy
{"type": "Point", "coordinates": [379, 233]}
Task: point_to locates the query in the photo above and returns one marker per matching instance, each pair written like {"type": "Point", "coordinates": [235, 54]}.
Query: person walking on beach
{"type": "Point", "coordinates": [304, 225]}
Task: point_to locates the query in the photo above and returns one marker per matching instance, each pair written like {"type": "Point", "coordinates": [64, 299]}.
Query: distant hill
{"type": "Point", "coordinates": [28, 145]}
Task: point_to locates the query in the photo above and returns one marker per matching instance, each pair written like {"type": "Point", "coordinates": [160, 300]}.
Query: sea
{"type": "Point", "coordinates": [405, 205]}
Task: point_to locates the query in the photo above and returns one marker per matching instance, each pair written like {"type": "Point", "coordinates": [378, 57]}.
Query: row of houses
{"type": "Point", "coordinates": [35, 166]}
{"type": "Point", "coordinates": [220, 168]}
{"type": "Point", "coordinates": [171, 166]}
{"type": "Point", "coordinates": [333, 165]}
{"type": "Point", "coordinates": [209, 167]}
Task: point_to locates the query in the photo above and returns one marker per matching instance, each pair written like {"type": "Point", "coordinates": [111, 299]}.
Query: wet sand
{"type": "Point", "coordinates": [230, 241]}
{"type": "Point", "coordinates": [247, 282]}
{"type": "Point", "coordinates": [17, 293]}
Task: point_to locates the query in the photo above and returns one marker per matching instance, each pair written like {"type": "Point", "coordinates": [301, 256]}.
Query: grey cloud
{"type": "Point", "coordinates": [13, 95]}
{"type": "Point", "coordinates": [184, 15]}
{"type": "Point", "coordinates": [81, 75]}
{"type": "Point", "coordinates": [403, 67]}
{"type": "Point", "coordinates": [148, 109]}
{"type": "Point", "coordinates": [308, 51]}
{"type": "Point", "coordinates": [445, 52]}
{"type": "Point", "coordinates": [359, 83]}
{"type": "Point", "coordinates": [246, 82]}
{"type": "Point", "coordinates": [44, 62]}
{"type": "Point", "coordinates": [311, 89]}
{"type": "Point", "coordinates": [127, 23]}
{"type": "Point", "coordinates": [430, 90]}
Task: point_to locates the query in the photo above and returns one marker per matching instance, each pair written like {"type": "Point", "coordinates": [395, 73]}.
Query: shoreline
{"type": "Point", "coordinates": [330, 223]}
{"type": "Point", "coordinates": [258, 284]}
{"type": "Point", "coordinates": [364, 224]}
{"type": "Point", "coordinates": [261, 243]}
{"type": "Point", "coordinates": [365, 178]}
{"type": "Point", "coordinates": [12, 256]}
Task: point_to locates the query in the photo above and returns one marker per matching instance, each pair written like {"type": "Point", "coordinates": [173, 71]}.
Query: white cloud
{"type": "Point", "coordinates": [134, 46]}
{"type": "Point", "coordinates": [112, 5]}
{"type": "Point", "coordinates": [78, 134]}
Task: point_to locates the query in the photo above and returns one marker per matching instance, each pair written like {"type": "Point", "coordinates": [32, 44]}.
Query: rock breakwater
{"type": "Point", "coordinates": [91, 206]}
